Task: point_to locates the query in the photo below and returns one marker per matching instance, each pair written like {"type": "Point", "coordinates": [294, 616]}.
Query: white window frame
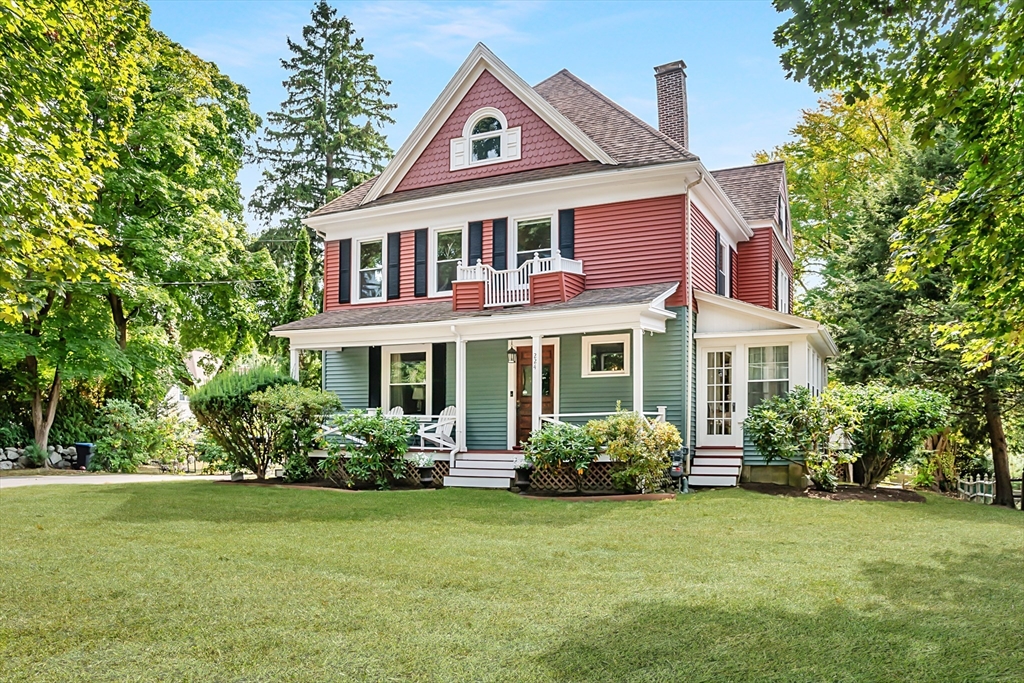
{"type": "Point", "coordinates": [735, 438]}
{"type": "Point", "coordinates": [432, 257]}
{"type": "Point", "coordinates": [357, 252]}
{"type": "Point", "coordinates": [385, 372]}
{"type": "Point", "coordinates": [513, 239]}
{"type": "Point", "coordinates": [790, 365]}
{"type": "Point", "coordinates": [590, 340]}
{"type": "Point", "coordinates": [461, 148]}
{"type": "Point", "coordinates": [782, 286]}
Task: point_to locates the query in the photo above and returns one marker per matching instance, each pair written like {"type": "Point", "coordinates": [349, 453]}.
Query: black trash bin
{"type": "Point", "coordinates": [84, 452]}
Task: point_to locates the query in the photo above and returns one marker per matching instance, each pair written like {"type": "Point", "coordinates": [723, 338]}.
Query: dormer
{"type": "Point", "coordinates": [486, 139]}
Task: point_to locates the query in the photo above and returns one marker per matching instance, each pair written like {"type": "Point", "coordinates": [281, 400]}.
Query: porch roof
{"type": "Point", "coordinates": [441, 310]}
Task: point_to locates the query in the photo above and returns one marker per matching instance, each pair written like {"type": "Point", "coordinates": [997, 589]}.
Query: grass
{"type": "Point", "coordinates": [202, 581]}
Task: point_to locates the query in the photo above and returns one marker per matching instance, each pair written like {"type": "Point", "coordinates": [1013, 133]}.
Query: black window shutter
{"type": "Point", "coordinates": [476, 242]}
{"type": "Point", "coordinates": [394, 264]}
{"type": "Point", "coordinates": [498, 250]}
{"type": "Point", "coordinates": [373, 396]}
{"type": "Point", "coordinates": [567, 232]}
{"type": "Point", "coordinates": [775, 287]}
{"type": "Point", "coordinates": [420, 263]}
{"type": "Point", "coordinates": [439, 369]}
{"type": "Point", "coordinates": [734, 275]}
{"type": "Point", "coordinates": [344, 271]}
{"type": "Point", "coordinates": [719, 266]}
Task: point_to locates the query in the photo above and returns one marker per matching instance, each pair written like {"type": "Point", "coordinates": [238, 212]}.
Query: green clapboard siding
{"type": "Point", "coordinates": [346, 373]}
{"type": "Point", "coordinates": [449, 380]}
{"type": "Point", "coordinates": [665, 369]}
{"type": "Point", "coordinates": [486, 403]}
{"type": "Point", "coordinates": [579, 394]}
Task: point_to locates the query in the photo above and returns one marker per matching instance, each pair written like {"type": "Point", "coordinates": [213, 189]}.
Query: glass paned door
{"type": "Point", "coordinates": [717, 407]}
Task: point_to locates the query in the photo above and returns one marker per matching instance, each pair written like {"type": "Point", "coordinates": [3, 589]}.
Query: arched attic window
{"type": "Point", "coordinates": [486, 139]}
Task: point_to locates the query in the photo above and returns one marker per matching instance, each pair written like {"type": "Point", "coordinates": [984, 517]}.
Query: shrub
{"type": "Point", "coordinates": [642, 447]}
{"type": "Point", "coordinates": [295, 416]}
{"type": "Point", "coordinates": [13, 435]}
{"type": "Point", "coordinates": [36, 455]}
{"type": "Point", "coordinates": [804, 429]}
{"type": "Point", "coordinates": [130, 436]}
{"type": "Point", "coordinates": [561, 445]}
{"type": "Point", "coordinates": [893, 425]}
{"type": "Point", "coordinates": [225, 408]}
{"type": "Point", "coordinates": [376, 453]}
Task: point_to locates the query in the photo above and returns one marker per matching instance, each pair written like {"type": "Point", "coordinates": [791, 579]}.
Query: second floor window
{"type": "Point", "coordinates": [781, 289]}
{"type": "Point", "coordinates": [485, 139]}
{"type": "Point", "coordinates": [721, 269]}
{"type": "Point", "coordinates": [370, 281]}
{"type": "Point", "coordinates": [447, 254]}
{"type": "Point", "coordinates": [532, 237]}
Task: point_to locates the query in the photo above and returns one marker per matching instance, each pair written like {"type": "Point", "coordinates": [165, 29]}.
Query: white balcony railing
{"type": "Point", "coordinates": [512, 287]}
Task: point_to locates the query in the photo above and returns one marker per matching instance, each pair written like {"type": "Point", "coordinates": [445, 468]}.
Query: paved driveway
{"type": "Point", "coordinates": [12, 482]}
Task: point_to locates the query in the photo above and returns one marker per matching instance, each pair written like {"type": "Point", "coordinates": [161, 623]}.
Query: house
{"type": "Point", "coordinates": [539, 254]}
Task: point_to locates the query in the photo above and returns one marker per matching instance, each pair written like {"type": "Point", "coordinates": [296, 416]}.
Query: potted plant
{"type": "Point", "coordinates": [523, 472]}
{"type": "Point", "coordinates": [424, 462]}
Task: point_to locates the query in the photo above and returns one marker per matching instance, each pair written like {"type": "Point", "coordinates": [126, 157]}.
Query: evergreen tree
{"type": "Point", "coordinates": [327, 136]}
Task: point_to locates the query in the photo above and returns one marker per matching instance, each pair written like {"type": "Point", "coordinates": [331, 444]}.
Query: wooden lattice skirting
{"type": "Point", "coordinates": [598, 477]}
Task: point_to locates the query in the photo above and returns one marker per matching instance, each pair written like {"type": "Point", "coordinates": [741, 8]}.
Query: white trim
{"type": "Point", "coordinates": [432, 257]}
{"type": "Point", "coordinates": [483, 112]}
{"type": "Point", "coordinates": [738, 374]}
{"type": "Point", "coordinates": [358, 244]}
{"type": "Point", "coordinates": [589, 340]}
{"type": "Point", "coordinates": [512, 411]}
{"type": "Point", "coordinates": [509, 143]}
{"type": "Point", "coordinates": [743, 407]}
{"type": "Point", "coordinates": [480, 59]}
{"type": "Point", "coordinates": [385, 374]}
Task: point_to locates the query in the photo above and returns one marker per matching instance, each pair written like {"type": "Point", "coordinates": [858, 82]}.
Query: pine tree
{"type": "Point", "coordinates": [327, 136]}
{"type": "Point", "coordinates": [299, 303]}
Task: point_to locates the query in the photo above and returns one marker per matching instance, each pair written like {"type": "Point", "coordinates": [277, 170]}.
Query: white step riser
{"type": "Point", "coordinates": [471, 472]}
{"type": "Point", "coordinates": [477, 482]}
{"type": "Point", "coordinates": [715, 471]}
{"type": "Point", "coordinates": [706, 480]}
{"type": "Point", "coordinates": [717, 462]}
{"type": "Point", "coordinates": [737, 452]}
{"type": "Point", "coordinates": [488, 457]}
{"type": "Point", "coordinates": [485, 464]}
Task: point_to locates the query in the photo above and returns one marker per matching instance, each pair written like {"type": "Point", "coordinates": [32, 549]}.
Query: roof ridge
{"type": "Point", "coordinates": [754, 165]}
{"type": "Point", "coordinates": [633, 117]}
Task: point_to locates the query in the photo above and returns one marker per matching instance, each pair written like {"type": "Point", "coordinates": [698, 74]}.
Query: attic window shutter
{"type": "Point", "coordinates": [373, 391]}
{"type": "Point", "coordinates": [567, 232]}
{"type": "Point", "coordinates": [394, 264]}
{"type": "Point", "coordinates": [345, 271]}
{"type": "Point", "coordinates": [476, 242]}
{"type": "Point", "coordinates": [420, 263]}
{"type": "Point", "coordinates": [498, 244]}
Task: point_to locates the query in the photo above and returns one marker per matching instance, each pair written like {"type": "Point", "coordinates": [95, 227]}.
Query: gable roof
{"type": "Point", "coordinates": [753, 189]}
{"type": "Point", "coordinates": [480, 59]}
{"type": "Point", "coordinates": [624, 136]}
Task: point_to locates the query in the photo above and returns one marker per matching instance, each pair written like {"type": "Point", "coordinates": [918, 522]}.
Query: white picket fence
{"type": "Point", "coordinates": [979, 490]}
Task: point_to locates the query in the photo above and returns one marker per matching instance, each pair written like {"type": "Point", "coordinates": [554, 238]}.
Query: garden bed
{"type": "Point", "coordinates": [844, 493]}
{"type": "Point", "coordinates": [318, 484]}
{"type": "Point", "coordinates": [594, 496]}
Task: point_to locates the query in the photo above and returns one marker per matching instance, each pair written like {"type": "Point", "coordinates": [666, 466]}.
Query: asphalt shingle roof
{"type": "Point", "coordinates": [438, 311]}
{"type": "Point", "coordinates": [753, 189]}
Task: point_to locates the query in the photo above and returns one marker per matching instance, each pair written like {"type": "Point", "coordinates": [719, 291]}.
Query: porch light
{"type": "Point", "coordinates": [512, 355]}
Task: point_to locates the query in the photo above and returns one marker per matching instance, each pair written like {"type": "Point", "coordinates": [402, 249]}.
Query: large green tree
{"type": "Point", "coordinates": [327, 136]}
{"type": "Point", "coordinates": [945, 65]}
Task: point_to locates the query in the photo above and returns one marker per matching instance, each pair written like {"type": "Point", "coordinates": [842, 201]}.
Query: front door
{"type": "Point", "coordinates": [717, 402]}
{"type": "Point", "coordinates": [525, 390]}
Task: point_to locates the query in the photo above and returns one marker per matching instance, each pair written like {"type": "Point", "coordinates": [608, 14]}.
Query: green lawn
{"type": "Point", "coordinates": [202, 581]}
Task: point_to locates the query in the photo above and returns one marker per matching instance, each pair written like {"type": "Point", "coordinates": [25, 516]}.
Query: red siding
{"type": "Point", "coordinates": [574, 284]}
{"type": "Point", "coordinates": [632, 243]}
{"type": "Point", "coordinates": [734, 273]}
{"type": "Point", "coordinates": [541, 145]}
{"type": "Point", "coordinates": [704, 258]}
{"type": "Point", "coordinates": [756, 273]}
{"type": "Point", "coordinates": [488, 242]}
{"type": "Point", "coordinates": [405, 274]}
{"type": "Point", "coordinates": [467, 296]}
{"type": "Point", "coordinates": [547, 288]}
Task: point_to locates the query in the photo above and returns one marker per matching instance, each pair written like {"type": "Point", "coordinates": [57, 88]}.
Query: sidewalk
{"type": "Point", "coordinates": [12, 482]}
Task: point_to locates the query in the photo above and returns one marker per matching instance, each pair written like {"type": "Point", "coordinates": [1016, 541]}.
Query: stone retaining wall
{"type": "Point", "coordinates": [58, 457]}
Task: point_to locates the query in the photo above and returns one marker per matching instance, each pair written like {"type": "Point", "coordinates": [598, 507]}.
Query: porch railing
{"type": "Point", "coordinates": [417, 442]}
{"type": "Point", "coordinates": [512, 287]}
{"type": "Point", "coordinates": [575, 418]}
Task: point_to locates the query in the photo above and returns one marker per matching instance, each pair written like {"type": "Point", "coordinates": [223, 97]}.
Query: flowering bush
{"type": "Point", "coordinates": [643, 448]}
{"type": "Point", "coordinates": [561, 445]}
{"type": "Point", "coordinates": [375, 455]}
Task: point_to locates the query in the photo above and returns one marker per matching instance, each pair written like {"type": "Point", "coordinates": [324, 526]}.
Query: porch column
{"type": "Point", "coordinates": [637, 369]}
{"type": "Point", "coordinates": [537, 399]}
{"type": "Point", "coordinates": [460, 392]}
{"type": "Point", "coordinates": [293, 365]}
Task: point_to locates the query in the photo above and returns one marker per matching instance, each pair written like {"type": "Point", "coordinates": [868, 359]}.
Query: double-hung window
{"type": "Point", "coordinates": [407, 381]}
{"type": "Point", "coordinates": [767, 373]}
{"type": "Point", "coordinates": [447, 254]}
{"type": "Point", "coordinates": [485, 139]}
{"type": "Point", "coordinates": [721, 269]}
{"type": "Point", "coordinates": [782, 289]}
{"type": "Point", "coordinates": [370, 276]}
{"type": "Point", "coordinates": [532, 237]}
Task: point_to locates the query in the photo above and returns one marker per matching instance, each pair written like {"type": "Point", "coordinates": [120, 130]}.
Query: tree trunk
{"type": "Point", "coordinates": [42, 417]}
{"type": "Point", "coordinates": [997, 440]}
{"type": "Point", "coordinates": [120, 320]}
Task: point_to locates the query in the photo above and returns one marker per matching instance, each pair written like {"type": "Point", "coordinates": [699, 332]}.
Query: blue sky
{"type": "Point", "coordinates": [739, 98]}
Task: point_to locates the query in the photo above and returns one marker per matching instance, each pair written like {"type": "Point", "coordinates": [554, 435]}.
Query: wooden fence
{"type": "Point", "coordinates": [978, 490]}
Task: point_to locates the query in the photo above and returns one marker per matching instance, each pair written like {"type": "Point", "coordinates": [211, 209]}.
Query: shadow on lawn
{"type": "Point", "coordinates": [959, 619]}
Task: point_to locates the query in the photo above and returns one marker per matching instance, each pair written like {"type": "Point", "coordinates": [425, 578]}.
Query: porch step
{"type": "Point", "coordinates": [458, 471]}
{"type": "Point", "coordinates": [711, 480]}
{"type": "Point", "coordinates": [718, 461]}
{"type": "Point", "coordinates": [478, 482]}
{"type": "Point", "coordinates": [488, 457]}
{"type": "Point", "coordinates": [715, 471]}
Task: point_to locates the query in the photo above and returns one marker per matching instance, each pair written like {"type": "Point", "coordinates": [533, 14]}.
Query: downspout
{"type": "Point", "coordinates": [690, 382]}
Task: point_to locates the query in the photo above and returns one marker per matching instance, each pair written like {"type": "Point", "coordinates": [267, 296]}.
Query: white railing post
{"type": "Point", "coordinates": [637, 368]}
{"type": "Point", "coordinates": [661, 413]}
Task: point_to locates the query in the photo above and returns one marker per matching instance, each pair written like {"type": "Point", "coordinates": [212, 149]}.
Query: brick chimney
{"type": "Point", "coordinates": [672, 118]}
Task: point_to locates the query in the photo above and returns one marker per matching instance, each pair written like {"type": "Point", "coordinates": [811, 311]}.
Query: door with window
{"type": "Point", "coordinates": [716, 407]}
{"type": "Point", "coordinates": [526, 389]}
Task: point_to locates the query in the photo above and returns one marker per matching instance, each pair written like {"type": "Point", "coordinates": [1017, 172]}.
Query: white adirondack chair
{"type": "Point", "coordinates": [397, 411]}
{"type": "Point", "coordinates": [440, 432]}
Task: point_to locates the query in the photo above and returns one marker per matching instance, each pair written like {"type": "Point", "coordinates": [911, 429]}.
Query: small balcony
{"type": "Point", "coordinates": [539, 280]}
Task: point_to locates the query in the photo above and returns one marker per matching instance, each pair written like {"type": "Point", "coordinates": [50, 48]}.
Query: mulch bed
{"type": "Point", "coordinates": [317, 484]}
{"type": "Point", "coordinates": [585, 497]}
{"type": "Point", "coordinates": [844, 493]}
